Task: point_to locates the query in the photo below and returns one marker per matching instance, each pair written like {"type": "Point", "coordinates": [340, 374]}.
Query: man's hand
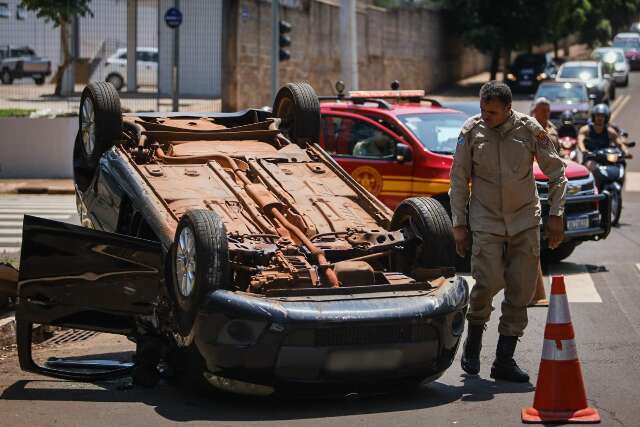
{"type": "Point", "coordinates": [461, 236]}
{"type": "Point", "coordinates": [554, 231]}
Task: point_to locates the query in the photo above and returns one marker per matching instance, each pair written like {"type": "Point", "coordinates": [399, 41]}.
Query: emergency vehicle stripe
{"type": "Point", "coordinates": [559, 350]}
{"type": "Point", "coordinates": [558, 310]}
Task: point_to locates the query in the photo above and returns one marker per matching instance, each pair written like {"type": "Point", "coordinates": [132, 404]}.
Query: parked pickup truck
{"type": "Point", "coordinates": [21, 62]}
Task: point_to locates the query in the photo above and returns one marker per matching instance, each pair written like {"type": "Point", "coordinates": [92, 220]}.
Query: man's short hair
{"type": "Point", "coordinates": [541, 100]}
{"type": "Point", "coordinates": [496, 90]}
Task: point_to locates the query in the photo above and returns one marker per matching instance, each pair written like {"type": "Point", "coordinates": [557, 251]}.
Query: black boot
{"type": "Point", "coordinates": [471, 351]}
{"type": "Point", "coordinates": [504, 367]}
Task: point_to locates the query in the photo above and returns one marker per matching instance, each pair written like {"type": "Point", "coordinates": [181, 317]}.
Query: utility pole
{"type": "Point", "coordinates": [349, 44]}
{"type": "Point", "coordinates": [175, 106]}
{"type": "Point", "coordinates": [275, 47]}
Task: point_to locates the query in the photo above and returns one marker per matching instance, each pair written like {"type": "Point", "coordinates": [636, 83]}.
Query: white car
{"type": "Point", "coordinates": [147, 66]}
{"type": "Point", "coordinates": [614, 56]}
{"type": "Point", "coordinates": [599, 84]}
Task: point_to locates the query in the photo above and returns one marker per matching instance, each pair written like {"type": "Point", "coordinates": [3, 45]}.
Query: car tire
{"type": "Point", "coordinates": [6, 77]}
{"type": "Point", "coordinates": [435, 246]}
{"type": "Point", "coordinates": [100, 120]}
{"type": "Point", "coordinates": [199, 263]}
{"type": "Point", "coordinates": [298, 107]}
{"type": "Point", "coordinates": [562, 252]}
{"type": "Point", "coordinates": [626, 81]}
{"type": "Point", "coordinates": [116, 80]}
{"type": "Point", "coordinates": [39, 80]}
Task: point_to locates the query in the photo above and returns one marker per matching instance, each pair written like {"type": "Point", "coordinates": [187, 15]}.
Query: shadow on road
{"type": "Point", "coordinates": [176, 404]}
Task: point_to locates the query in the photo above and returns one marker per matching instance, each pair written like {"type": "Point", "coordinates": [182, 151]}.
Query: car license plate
{"type": "Point", "coordinates": [363, 360]}
{"type": "Point", "coordinates": [577, 224]}
{"type": "Point", "coordinates": [525, 83]}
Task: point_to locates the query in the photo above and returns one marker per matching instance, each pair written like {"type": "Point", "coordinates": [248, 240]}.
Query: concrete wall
{"type": "Point", "coordinates": [410, 45]}
{"type": "Point", "coordinates": [37, 148]}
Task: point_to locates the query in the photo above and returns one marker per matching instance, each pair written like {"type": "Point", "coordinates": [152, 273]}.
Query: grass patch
{"type": "Point", "coordinates": [15, 112]}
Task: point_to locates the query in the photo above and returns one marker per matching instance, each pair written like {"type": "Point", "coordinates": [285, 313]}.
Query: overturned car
{"type": "Point", "coordinates": [232, 248]}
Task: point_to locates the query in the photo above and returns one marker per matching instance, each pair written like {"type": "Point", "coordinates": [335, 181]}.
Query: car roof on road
{"type": "Point", "coordinates": [627, 35]}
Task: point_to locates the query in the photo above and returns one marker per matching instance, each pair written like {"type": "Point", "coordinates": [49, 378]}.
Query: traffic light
{"type": "Point", "coordinates": [284, 40]}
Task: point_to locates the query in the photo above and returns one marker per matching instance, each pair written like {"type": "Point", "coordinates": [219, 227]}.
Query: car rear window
{"type": "Point", "coordinates": [563, 93]}
{"type": "Point", "coordinates": [627, 42]}
{"type": "Point", "coordinates": [436, 132]}
{"type": "Point", "coordinates": [600, 54]}
{"type": "Point", "coordinates": [583, 72]}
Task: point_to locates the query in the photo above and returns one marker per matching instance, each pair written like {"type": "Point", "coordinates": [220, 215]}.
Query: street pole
{"type": "Point", "coordinates": [176, 64]}
{"type": "Point", "coordinates": [275, 46]}
{"type": "Point", "coordinates": [349, 44]}
{"type": "Point", "coordinates": [132, 45]}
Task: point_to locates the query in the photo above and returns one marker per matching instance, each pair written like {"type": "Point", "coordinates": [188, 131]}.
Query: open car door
{"type": "Point", "coordinates": [81, 278]}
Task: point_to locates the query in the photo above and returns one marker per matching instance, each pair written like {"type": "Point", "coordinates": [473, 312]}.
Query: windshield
{"type": "Point", "coordinates": [436, 132]}
{"type": "Point", "coordinates": [608, 55]}
{"type": "Point", "coordinates": [582, 72]}
{"type": "Point", "coordinates": [563, 93]}
{"type": "Point", "coordinates": [627, 43]}
{"type": "Point", "coordinates": [22, 52]}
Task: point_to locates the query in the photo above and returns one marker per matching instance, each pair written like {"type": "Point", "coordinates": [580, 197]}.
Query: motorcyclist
{"type": "Point", "coordinates": [599, 133]}
{"type": "Point", "coordinates": [567, 127]}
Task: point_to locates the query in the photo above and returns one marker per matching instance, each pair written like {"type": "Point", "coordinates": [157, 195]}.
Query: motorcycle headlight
{"type": "Point", "coordinates": [542, 76]}
{"type": "Point", "coordinates": [612, 157]}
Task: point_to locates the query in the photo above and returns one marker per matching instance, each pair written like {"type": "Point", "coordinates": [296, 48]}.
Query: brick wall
{"type": "Point", "coordinates": [409, 45]}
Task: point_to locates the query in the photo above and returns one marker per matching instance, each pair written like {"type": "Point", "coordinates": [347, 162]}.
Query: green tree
{"type": "Point", "coordinates": [60, 13]}
{"type": "Point", "coordinates": [499, 26]}
{"type": "Point", "coordinates": [565, 17]}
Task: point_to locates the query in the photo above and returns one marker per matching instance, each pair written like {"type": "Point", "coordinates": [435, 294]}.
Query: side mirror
{"type": "Point", "coordinates": [630, 144]}
{"type": "Point", "coordinates": [403, 153]}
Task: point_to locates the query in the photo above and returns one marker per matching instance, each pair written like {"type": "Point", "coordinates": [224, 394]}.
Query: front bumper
{"type": "Point", "coordinates": [331, 339]}
{"type": "Point", "coordinates": [591, 212]}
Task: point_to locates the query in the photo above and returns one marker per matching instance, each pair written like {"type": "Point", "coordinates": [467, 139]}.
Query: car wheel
{"type": "Point", "coordinates": [199, 261]}
{"type": "Point", "coordinates": [558, 254]}
{"type": "Point", "coordinates": [298, 107]}
{"type": "Point", "coordinates": [626, 81]}
{"type": "Point", "coordinates": [116, 80]}
{"type": "Point", "coordinates": [39, 81]}
{"type": "Point", "coordinates": [100, 121]}
{"type": "Point", "coordinates": [434, 246]}
{"type": "Point", "coordinates": [6, 77]}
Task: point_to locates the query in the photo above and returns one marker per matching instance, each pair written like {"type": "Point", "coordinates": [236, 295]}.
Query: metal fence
{"type": "Point", "coordinates": [31, 52]}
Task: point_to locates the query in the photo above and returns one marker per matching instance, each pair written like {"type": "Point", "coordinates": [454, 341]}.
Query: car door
{"type": "Point", "coordinates": [143, 68]}
{"type": "Point", "coordinates": [370, 153]}
{"type": "Point", "coordinates": [77, 277]}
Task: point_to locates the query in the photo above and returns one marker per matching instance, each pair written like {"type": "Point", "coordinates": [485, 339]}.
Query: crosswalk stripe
{"type": "Point", "coordinates": [11, 231]}
{"type": "Point", "coordinates": [40, 210]}
{"type": "Point", "coordinates": [578, 283]}
{"type": "Point", "coordinates": [9, 249]}
{"type": "Point", "coordinates": [47, 216]}
{"type": "Point", "coordinates": [10, 240]}
{"type": "Point", "coordinates": [5, 224]}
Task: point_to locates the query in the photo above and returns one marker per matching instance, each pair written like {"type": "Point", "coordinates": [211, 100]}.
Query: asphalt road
{"type": "Point", "coordinates": [603, 281]}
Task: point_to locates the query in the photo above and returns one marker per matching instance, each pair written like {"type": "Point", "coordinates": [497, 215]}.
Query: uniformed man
{"type": "Point", "coordinates": [377, 145]}
{"type": "Point", "coordinates": [542, 112]}
{"type": "Point", "coordinates": [495, 153]}
{"type": "Point", "coordinates": [599, 134]}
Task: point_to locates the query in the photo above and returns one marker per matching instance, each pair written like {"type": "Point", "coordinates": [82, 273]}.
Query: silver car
{"type": "Point", "coordinates": [599, 84]}
{"type": "Point", "coordinates": [614, 58]}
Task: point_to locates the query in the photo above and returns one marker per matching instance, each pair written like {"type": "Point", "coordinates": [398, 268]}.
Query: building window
{"type": "Point", "coordinates": [21, 13]}
{"type": "Point", "coordinates": [4, 10]}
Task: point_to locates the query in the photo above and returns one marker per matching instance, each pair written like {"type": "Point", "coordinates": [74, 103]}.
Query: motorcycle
{"type": "Point", "coordinates": [608, 168]}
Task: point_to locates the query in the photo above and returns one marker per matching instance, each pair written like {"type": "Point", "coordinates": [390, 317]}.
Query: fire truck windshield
{"type": "Point", "coordinates": [436, 132]}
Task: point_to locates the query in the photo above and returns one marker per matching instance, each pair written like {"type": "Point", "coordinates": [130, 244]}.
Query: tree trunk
{"type": "Point", "coordinates": [495, 62]}
{"type": "Point", "coordinates": [506, 62]}
{"type": "Point", "coordinates": [64, 40]}
{"type": "Point", "coordinates": [556, 48]}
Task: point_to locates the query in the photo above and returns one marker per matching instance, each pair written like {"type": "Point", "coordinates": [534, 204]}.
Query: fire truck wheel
{"type": "Point", "coordinates": [434, 246]}
{"type": "Point", "coordinates": [298, 107]}
{"type": "Point", "coordinates": [200, 262]}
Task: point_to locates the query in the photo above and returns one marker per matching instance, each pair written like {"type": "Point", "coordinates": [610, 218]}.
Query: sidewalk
{"type": "Point", "coordinates": [36, 186]}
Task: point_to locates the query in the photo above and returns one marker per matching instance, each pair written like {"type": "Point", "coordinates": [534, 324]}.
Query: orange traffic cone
{"type": "Point", "coordinates": [560, 394]}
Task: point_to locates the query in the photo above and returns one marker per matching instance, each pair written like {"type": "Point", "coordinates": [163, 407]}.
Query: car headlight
{"type": "Point", "coordinates": [511, 76]}
{"type": "Point", "coordinates": [590, 85]}
{"type": "Point", "coordinates": [241, 332]}
{"type": "Point", "coordinates": [541, 76]}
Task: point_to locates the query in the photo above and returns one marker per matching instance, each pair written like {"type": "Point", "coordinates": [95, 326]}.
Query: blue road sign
{"type": "Point", "coordinates": [173, 17]}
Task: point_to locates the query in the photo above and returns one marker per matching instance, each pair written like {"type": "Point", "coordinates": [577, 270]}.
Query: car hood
{"type": "Point", "coordinates": [572, 170]}
{"type": "Point", "coordinates": [565, 106]}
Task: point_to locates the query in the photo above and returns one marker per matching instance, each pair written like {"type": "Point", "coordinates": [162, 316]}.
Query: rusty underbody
{"type": "Point", "coordinates": [294, 219]}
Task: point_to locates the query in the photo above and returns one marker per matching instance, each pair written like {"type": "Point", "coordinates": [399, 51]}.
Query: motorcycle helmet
{"type": "Point", "coordinates": [600, 109]}
{"type": "Point", "coordinates": [566, 118]}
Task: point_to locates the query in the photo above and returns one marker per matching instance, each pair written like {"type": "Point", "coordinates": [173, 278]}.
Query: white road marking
{"type": "Point", "coordinates": [38, 210]}
{"type": "Point", "coordinates": [18, 216]}
{"type": "Point", "coordinates": [15, 240]}
{"type": "Point", "coordinates": [577, 280]}
{"type": "Point", "coordinates": [619, 106]}
{"type": "Point", "coordinates": [632, 183]}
